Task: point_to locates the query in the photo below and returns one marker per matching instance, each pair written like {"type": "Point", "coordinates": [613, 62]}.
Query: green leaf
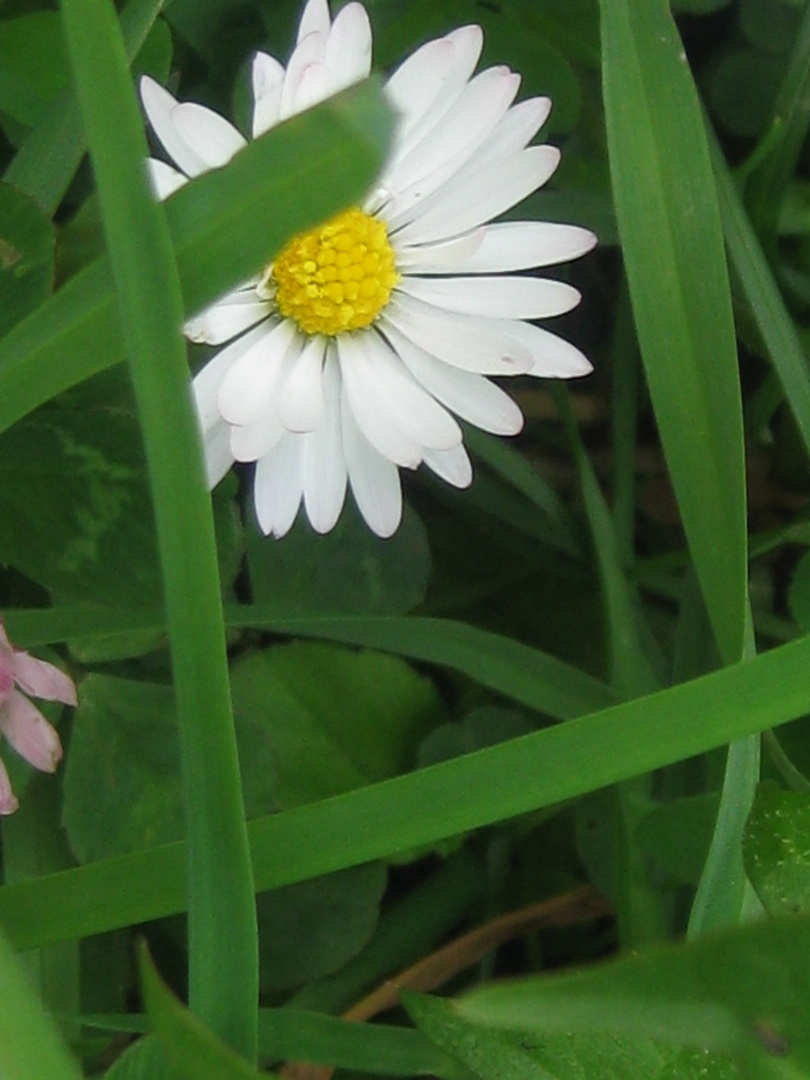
{"type": "Point", "coordinates": [776, 847]}
{"type": "Point", "coordinates": [223, 225]}
{"type": "Point", "coordinates": [27, 253]}
{"type": "Point", "coordinates": [31, 1047]}
{"type": "Point", "coordinates": [335, 719]}
{"type": "Point", "coordinates": [508, 1055]}
{"type": "Point", "coordinates": [672, 244]}
{"type": "Point", "coordinates": [76, 514]}
{"type": "Point", "coordinates": [742, 992]}
{"type": "Point", "coordinates": [310, 930]}
{"type": "Point", "coordinates": [193, 1050]}
{"type": "Point", "coordinates": [350, 571]}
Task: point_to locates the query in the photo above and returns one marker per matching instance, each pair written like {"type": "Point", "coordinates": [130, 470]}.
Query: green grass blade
{"type": "Point", "coordinates": [672, 243]}
{"type": "Point", "coordinates": [527, 675]}
{"type": "Point", "coordinates": [223, 950]}
{"type": "Point", "coordinates": [770, 313]}
{"type": "Point", "coordinates": [223, 225]}
{"type": "Point", "coordinates": [48, 159]}
{"type": "Point", "coordinates": [420, 808]}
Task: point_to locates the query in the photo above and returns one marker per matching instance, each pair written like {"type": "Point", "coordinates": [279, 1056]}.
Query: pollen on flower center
{"type": "Point", "coordinates": [337, 277]}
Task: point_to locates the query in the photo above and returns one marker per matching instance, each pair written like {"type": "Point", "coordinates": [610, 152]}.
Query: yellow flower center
{"type": "Point", "coordinates": [337, 277]}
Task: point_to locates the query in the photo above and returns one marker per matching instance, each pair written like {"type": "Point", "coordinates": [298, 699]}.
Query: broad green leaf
{"type": "Point", "coordinates": [672, 244]}
{"type": "Point", "coordinates": [300, 739]}
{"type": "Point", "coordinates": [76, 514]}
{"type": "Point", "coordinates": [511, 1055]}
{"type": "Point", "coordinates": [487, 725]}
{"type": "Point", "coordinates": [350, 571]}
{"type": "Point", "coordinates": [331, 718]}
{"type": "Point", "coordinates": [776, 846]}
{"type": "Point", "coordinates": [31, 1047]}
{"type": "Point", "coordinates": [223, 225]}
{"type": "Point", "coordinates": [309, 930]}
{"type": "Point", "coordinates": [742, 992]}
{"type": "Point", "coordinates": [27, 250]}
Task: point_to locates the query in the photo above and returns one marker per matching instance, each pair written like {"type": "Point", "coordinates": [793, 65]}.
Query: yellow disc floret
{"type": "Point", "coordinates": [337, 277]}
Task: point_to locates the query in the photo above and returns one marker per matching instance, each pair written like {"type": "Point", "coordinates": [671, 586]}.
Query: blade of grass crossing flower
{"type": "Point", "coordinates": [772, 317]}
{"type": "Point", "coordinates": [48, 159]}
{"type": "Point", "coordinates": [418, 809]}
{"type": "Point", "coordinates": [672, 244]}
{"type": "Point", "coordinates": [223, 225]}
{"type": "Point", "coordinates": [223, 960]}
{"type": "Point", "coordinates": [31, 1047]}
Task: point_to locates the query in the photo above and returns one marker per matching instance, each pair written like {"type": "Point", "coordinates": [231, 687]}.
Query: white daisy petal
{"type": "Point", "coordinates": [300, 396]}
{"type": "Point", "coordinates": [453, 466]}
{"type": "Point", "coordinates": [251, 442]}
{"type": "Point", "coordinates": [477, 197]}
{"type": "Point", "coordinates": [213, 138]}
{"type": "Point", "coordinates": [370, 407]}
{"type": "Point", "coordinates": [208, 381]}
{"type": "Point", "coordinates": [308, 54]}
{"type": "Point", "coordinates": [248, 388]}
{"type": "Point", "coordinates": [348, 46]}
{"type": "Point", "coordinates": [521, 245]}
{"type": "Point", "coordinates": [324, 462]}
{"type": "Point", "coordinates": [373, 478]}
{"type": "Point", "coordinates": [315, 19]}
{"type": "Point", "coordinates": [494, 297]}
{"type": "Point", "coordinates": [464, 341]}
{"type": "Point", "coordinates": [163, 179]}
{"type": "Point", "coordinates": [159, 106]}
{"type": "Point", "coordinates": [516, 131]}
{"type": "Point", "coordinates": [472, 397]}
{"type": "Point", "coordinates": [453, 141]}
{"type": "Point", "coordinates": [439, 258]}
{"type": "Point", "coordinates": [218, 456]}
{"type": "Point", "coordinates": [554, 356]}
{"type": "Point", "coordinates": [278, 486]}
{"type": "Point", "coordinates": [229, 316]}
{"type": "Point", "coordinates": [427, 83]}
{"type": "Point", "coordinates": [387, 385]}
{"type": "Point", "coordinates": [267, 76]}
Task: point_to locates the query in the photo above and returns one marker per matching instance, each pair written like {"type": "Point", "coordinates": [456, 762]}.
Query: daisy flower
{"type": "Point", "coordinates": [21, 722]}
{"type": "Point", "coordinates": [352, 353]}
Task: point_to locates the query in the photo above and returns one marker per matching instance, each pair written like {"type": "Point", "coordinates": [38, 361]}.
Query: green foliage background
{"type": "Point", "coordinates": [591, 668]}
